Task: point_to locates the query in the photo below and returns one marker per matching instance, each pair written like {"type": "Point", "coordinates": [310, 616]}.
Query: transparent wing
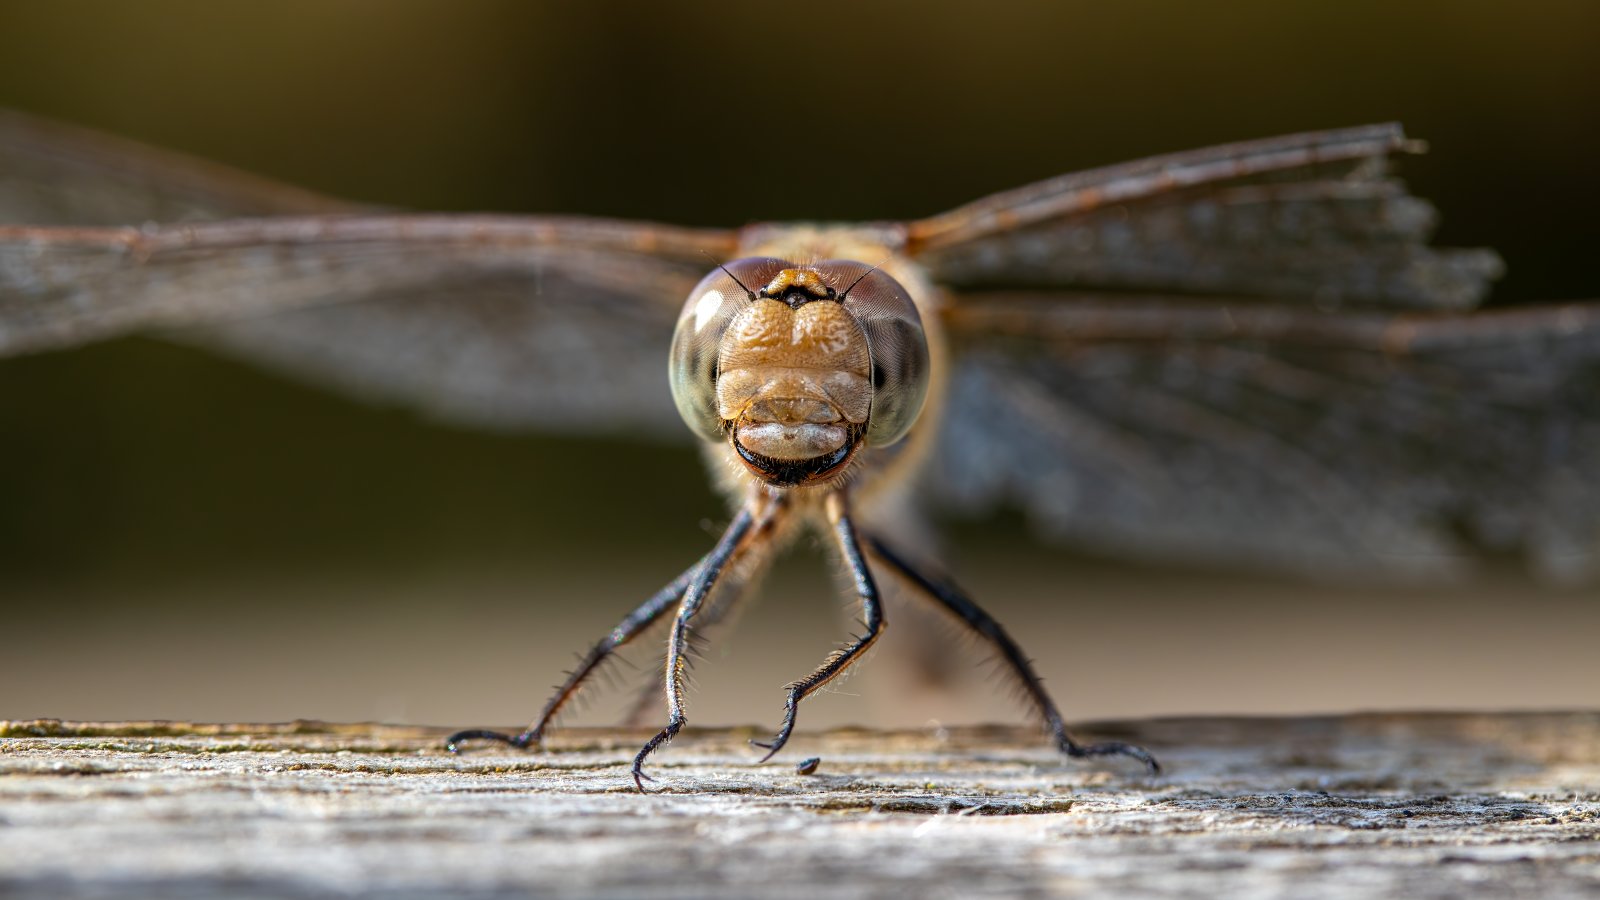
{"type": "Point", "coordinates": [519, 322]}
{"type": "Point", "coordinates": [55, 174]}
{"type": "Point", "coordinates": [501, 321]}
{"type": "Point", "coordinates": [1314, 216]}
{"type": "Point", "coordinates": [1245, 433]}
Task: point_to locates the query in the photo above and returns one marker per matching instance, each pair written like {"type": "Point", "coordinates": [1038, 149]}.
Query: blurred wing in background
{"type": "Point", "coordinates": [56, 174]}
{"type": "Point", "coordinates": [1313, 218]}
{"type": "Point", "coordinates": [1233, 368]}
{"type": "Point", "coordinates": [495, 321]}
{"type": "Point", "coordinates": [1360, 444]}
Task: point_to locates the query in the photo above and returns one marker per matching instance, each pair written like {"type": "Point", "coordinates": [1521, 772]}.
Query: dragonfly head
{"type": "Point", "coordinates": [799, 367]}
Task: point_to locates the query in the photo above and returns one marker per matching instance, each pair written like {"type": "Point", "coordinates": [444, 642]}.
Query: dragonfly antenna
{"type": "Point", "coordinates": [749, 294]}
{"type": "Point", "coordinates": [853, 284]}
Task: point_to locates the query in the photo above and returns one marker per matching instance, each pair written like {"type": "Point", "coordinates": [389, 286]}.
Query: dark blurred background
{"type": "Point", "coordinates": [182, 536]}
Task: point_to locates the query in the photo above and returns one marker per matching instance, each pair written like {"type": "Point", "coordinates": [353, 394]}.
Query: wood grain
{"type": "Point", "coordinates": [1424, 805]}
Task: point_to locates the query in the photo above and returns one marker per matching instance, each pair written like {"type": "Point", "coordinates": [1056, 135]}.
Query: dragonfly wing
{"type": "Point", "coordinates": [506, 321]}
{"type": "Point", "coordinates": [1315, 216]}
{"type": "Point", "coordinates": [55, 174]}
{"type": "Point", "coordinates": [1243, 433]}
{"type": "Point", "coordinates": [489, 320]}
{"type": "Point", "coordinates": [554, 350]}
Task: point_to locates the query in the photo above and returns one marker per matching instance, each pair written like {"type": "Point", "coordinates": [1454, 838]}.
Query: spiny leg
{"type": "Point", "coordinates": [871, 614]}
{"type": "Point", "coordinates": [719, 609]}
{"type": "Point", "coordinates": [984, 625]}
{"type": "Point", "coordinates": [705, 578]}
{"type": "Point", "coordinates": [629, 628]}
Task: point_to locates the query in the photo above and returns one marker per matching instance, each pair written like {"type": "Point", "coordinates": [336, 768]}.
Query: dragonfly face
{"type": "Point", "coordinates": [798, 367]}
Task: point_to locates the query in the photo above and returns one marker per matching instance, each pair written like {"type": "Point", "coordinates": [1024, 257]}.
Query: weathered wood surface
{"type": "Point", "coordinates": [1372, 805]}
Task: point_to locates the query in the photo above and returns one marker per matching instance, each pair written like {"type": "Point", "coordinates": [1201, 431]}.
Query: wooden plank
{"type": "Point", "coordinates": [1425, 805]}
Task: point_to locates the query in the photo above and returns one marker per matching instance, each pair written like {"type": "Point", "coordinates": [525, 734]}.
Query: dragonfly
{"type": "Point", "coordinates": [1246, 354]}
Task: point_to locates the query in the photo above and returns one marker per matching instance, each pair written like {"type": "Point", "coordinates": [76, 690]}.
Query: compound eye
{"type": "Point", "coordinates": [896, 342]}
{"type": "Point", "coordinates": [692, 368]}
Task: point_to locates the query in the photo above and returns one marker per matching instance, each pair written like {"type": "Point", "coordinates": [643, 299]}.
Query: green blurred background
{"type": "Point", "coordinates": [182, 536]}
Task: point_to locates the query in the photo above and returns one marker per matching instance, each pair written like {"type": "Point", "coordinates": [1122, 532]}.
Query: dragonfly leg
{"type": "Point", "coordinates": [953, 600]}
{"type": "Point", "coordinates": [720, 607]}
{"type": "Point", "coordinates": [700, 586]}
{"type": "Point", "coordinates": [871, 615]}
{"type": "Point", "coordinates": [629, 628]}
